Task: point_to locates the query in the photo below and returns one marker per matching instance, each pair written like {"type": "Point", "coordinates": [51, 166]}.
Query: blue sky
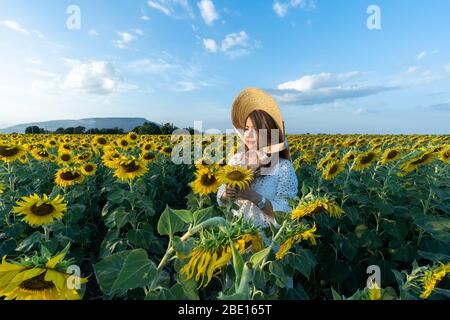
{"type": "Point", "coordinates": [182, 61]}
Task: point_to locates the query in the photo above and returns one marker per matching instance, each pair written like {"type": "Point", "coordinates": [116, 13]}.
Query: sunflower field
{"type": "Point", "coordinates": [113, 217]}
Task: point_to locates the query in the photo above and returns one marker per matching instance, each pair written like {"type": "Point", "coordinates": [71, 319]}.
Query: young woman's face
{"type": "Point", "coordinates": [250, 134]}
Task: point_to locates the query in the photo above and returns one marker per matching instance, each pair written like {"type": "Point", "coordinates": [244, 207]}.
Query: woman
{"type": "Point", "coordinates": [275, 182]}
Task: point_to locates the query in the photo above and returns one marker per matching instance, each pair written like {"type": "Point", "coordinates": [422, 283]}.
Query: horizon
{"type": "Point", "coordinates": [172, 61]}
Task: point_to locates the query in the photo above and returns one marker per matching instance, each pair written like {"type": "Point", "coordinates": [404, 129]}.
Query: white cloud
{"type": "Point", "coordinates": [14, 25]}
{"type": "Point", "coordinates": [359, 111]}
{"type": "Point", "coordinates": [145, 18]}
{"type": "Point", "coordinates": [139, 32]}
{"type": "Point", "coordinates": [39, 34]}
{"type": "Point", "coordinates": [157, 6]}
{"type": "Point", "coordinates": [234, 39]}
{"type": "Point", "coordinates": [447, 67]}
{"type": "Point", "coordinates": [151, 66]}
{"type": "Point", "coordinates": [97, 77]}
{"type": "Point", "coordinates": [421, 55]}
{"type": "Point", "coordinates": [172, 8]}
{"type": "Point", "coordinates": [125, 38]}
{"type": "Point", "coordinates": [93, 33]}
{"type": "Point", "coordinates": [210, 45]}
{"type": "Point", "coordinates": [413, 69]}
{"type": "Point", "coordinates": [427, 73]}
{"type": "Point", "coordinates": [234, 45]}
{"type": "Point", "coordinates": [281, 7]}
{"type": "Point", "coordinates": [34, 61]}
{"type": "Point", "coordinates": [208, 11]}
{"type": "Point", "coordinates": [326, 87]}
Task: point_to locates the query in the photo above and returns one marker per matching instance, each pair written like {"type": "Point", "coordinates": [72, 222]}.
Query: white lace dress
{"type": "Point", "coordinates": [277, 185]}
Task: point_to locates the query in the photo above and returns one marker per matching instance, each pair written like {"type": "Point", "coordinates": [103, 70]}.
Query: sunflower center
{"type": "Point", "coordinates": [130, 167]}
{"type": "Point", "coordinates": [207, 180]}
{"type": "Point", "coordinates": [333, 169]}
{"type": "Point", "coordinates": [367, 158]}
{"type": "Point", "coordinates": [37, 283]}
{"type": "Point", "coordinates": [65, 157]}
{"type": "Point", "coordinates": [42, 210]}
{"type": "Point", "coordinates": [101, 140]}
{"type": "Point", "coordinates": [43, 153]}
{"type": "Point", "coordinates": [422, 159]}
{"type": "Point", "coordinates": [124, 143]}
{"type": "Point", "coordinates": [236, 176]}
{"type": "Point", "coordinates": [392, 154]}
{"type": "Point", "coordinates": [89, 168]}
{"type": "Point", "coordinates": [8, 151]}
{"type": "Point", "coordinates": [149, 156]}
{"type": "Point", "coordinates": [69, 175]}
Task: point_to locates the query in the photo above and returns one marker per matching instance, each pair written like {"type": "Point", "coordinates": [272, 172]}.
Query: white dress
{"type": "Point", "coordinates": [277, 185]}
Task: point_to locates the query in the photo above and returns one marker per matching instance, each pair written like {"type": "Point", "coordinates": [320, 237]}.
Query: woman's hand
{"type": "Point", "coordinates": [248, 194]}
{"type": "Point", "coordinates": [229, 194]}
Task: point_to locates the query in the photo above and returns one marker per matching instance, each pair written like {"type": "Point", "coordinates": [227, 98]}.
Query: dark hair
{"type": "Point", "coordinates": [262, 120]}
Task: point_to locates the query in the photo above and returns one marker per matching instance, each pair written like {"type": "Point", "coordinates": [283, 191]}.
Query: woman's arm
{"type": "Point", "coordinates": [255, 197]}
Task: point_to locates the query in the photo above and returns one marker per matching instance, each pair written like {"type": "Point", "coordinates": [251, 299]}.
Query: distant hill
{"type": "Point", "coordinates": [127, 124]}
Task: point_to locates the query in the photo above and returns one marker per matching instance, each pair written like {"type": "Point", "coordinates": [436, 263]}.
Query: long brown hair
{"type": "Point", "coordinates": [262, 120]}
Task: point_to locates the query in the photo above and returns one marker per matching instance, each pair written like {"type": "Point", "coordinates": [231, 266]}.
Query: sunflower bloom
{"type": "Point", "coordinates": [129, 169]}
{"type": "Point", "coordinates": [432, 277]}
{"type": "Point", "coordinates": [22, 281]}
{"type": "Point", "coordinates": [88, 169]}
{"type": "Point", "coordinates": [39, 211]}
{"type": "Point", "coordinates": [364, 160]}
{"type": "Point", "coordinates": [308, 208]}
{"type": "Point", "coordinates": [297, 237]}
{"type": "Point", "coordinates": [207, 262]}
{"type": "Point", "coordinates": [235, 177]}
{"type": "Point", "coordinates": [333, 170]}
{"type": "Point", "coordinates": [390, 155]}
{"type": "Point", "coordinates": [10, 152]}
{"type": "Point", "coordinates": [205, 183]}
{"type": "Point", "coordinates": [68, 177]}
{"type": "Point", "coordinates": [444, 154]}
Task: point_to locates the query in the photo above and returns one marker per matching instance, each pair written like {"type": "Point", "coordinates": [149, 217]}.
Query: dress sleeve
{"type": "Point", "coordinates": [234, 160]}
{"type": "Point", "coordinates": [287, 187]}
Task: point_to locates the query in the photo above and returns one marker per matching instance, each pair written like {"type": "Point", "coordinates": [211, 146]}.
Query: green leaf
{"type": "Point", "coordinates": [184, 215]}
{"type": "Point", "coordinates": [120, 272]}
{"type": "Point", "coordinates": [258, 257]}
{"type": "Point", "coordinates": [302, 261]}
{"type": "Point", "coordinates": [438, 227]}
{"type": "Point", "coordinates": [436, 257]}
{"type": "Point", "coordinates": [29, 242]}
{"type": "Point", "coordinates": [121, 217]}
{"type": "Point", "coordinates": [170, 223]}
{"type": "Point", "coordinates": [160, 294]}
{"type": "Point", "coordinates": [203, 214]}
{"type": "Point", "coordinates": [336, 296]}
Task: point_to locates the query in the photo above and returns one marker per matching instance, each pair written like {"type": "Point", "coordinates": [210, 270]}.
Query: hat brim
{"type": "Point", "coordinates": [252, 99]}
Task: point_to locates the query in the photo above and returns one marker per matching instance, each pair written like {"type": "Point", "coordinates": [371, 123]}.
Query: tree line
{"type": "Point", "coordinates": [145, 128]}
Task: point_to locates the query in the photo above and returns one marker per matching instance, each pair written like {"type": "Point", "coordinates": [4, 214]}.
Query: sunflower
{"type": "Point", "coordinates": [235, 177]}
{"type": "Point", "coordinates": [68, 177]}
{"type": "Point", "coordinates": [432, 277]}
{"type": "Point", "coordinates": [41, 154]}
{"type": "Point", "coordinates": [100, 141]}
{"type": "Point", "coordinates": [364, 160]}
{"type": "Point", "coordinates": [423, 158]}
{"type": "Point", "coordinates": [333, 170]}
{"type": "Point", "coordinates": [64, 158]}
{"type": "Point", "coordinates": [38, 279]}
{"type": "Point", "coordinates": [444, 154]}
{"type": "Point", "coordinates": [389, 155]}
{"type": "Point", "coordinates": [311, 207]}
{"type": "Point", "coordinates": [83, 157]}
{"type": "Point", "coordinates": [208, 260]}
{"type": "Point", "coordinates": [2, 187]}
{"type": "Point", "coordinates": [349, 157]}
{"type": "Point", "coordinates": [166, 150]}
{"type": "Point", "coordinates": [148, 156]}
{"type": "Point", "coordinates": [130, 168]}
{"type": "Point", "coordinates": [124, 143]}
{"type": "Point", "coordinates": [88, 169]}
{"type": "Point", "coordinates": [10, 152]}
{"type": "Point", "coordinates": [40, 210]}
{"type": "Point", "coordinates": [295, 236]}
{"type": "Point", "coordinates": [111, 158]}
{"type": "Point", "coordinates": [132, 137]}
{"type": "Point", "coordinates": [205, 183]}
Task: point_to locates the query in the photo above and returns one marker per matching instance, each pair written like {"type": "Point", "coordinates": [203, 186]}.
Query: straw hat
{"type": "Point", "coordinates": [252, 99]}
